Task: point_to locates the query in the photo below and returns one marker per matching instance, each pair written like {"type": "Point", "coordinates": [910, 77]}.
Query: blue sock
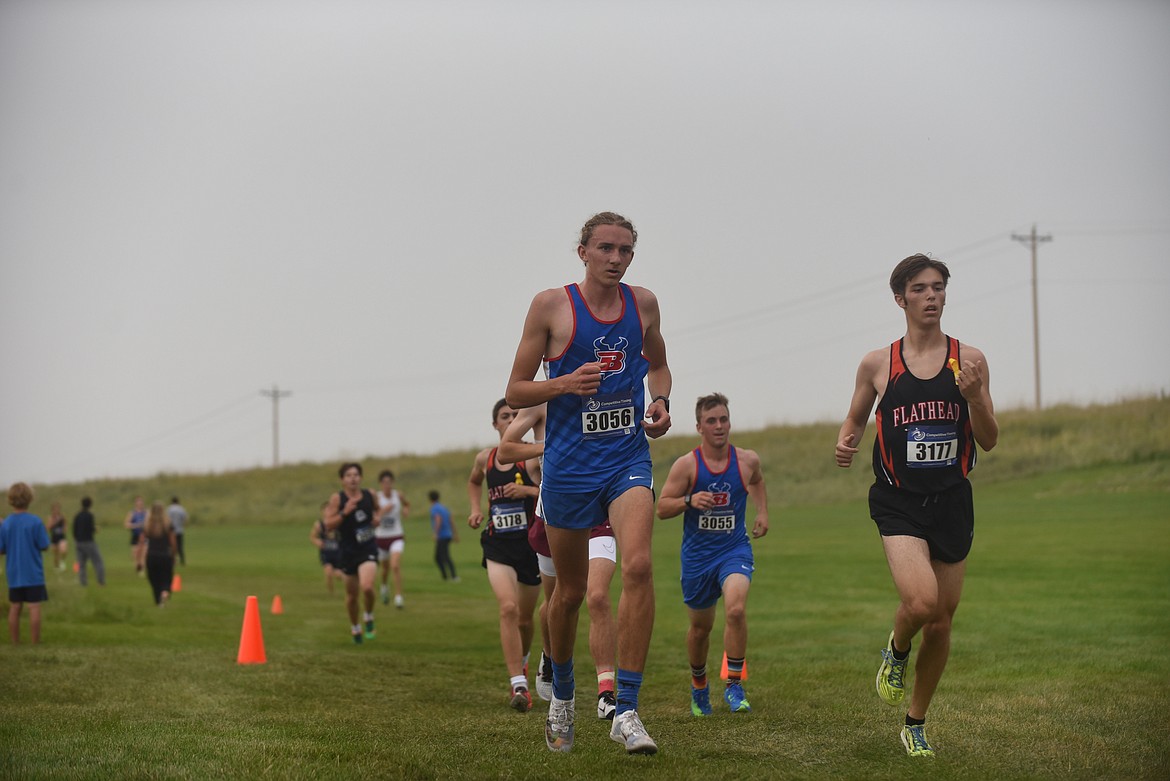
{"type": "Point", "coordinates": [563, 684]}
{"type": "Point", "coordinates": [628, 684]}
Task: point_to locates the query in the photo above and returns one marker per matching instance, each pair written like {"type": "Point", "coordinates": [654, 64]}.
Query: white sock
{"type": "Point", "coordinates": [519, 681]}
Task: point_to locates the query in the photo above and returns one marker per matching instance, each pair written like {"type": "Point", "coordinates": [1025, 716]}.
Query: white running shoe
{"type": "Point", "coordinates": [385, 595]}
{"type": "Point", "coordinates": [628, 730]}
{"type": "Point", "coordinates": [558, 727]}
{"type": "Point", "coordinates": [544, 688]}
{"type": "Point", "coordinates": [399, 602]}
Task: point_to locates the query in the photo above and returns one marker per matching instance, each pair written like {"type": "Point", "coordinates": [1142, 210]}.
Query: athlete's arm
{"type": "Point", "coordinates": [864, 396]}
{"type": "Point", "coordinates": [523, 391]}
{"type": "Point", "coordinates": [332, 512]}
{"type": "Point", "coordinates": [513, 448]}
{"type": "Point", "coordinates": [315, 536]}
{"type": "Point", "coordinates": [749, 461]}
{"type": "Point", "coordinates": [658, 377]}
{"type": "Point", "coordinates": [475, 489]}
{"type": "Point", "coordinates": [975, 385]}
{"type": "Point", "coordinates": [678, 483]}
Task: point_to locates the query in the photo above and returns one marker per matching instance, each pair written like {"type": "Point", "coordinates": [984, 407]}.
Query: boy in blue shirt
{"type": "Point", "coordinates": [444, 533]}
{"type": "Point", "coordinates": [22, 539]}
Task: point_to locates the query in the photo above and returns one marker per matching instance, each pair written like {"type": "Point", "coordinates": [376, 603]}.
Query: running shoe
{"type": "Point", "coordinates": [891, 675]}
{"type": "Point", "coordinates": [370, 633]}
{"type": "Point", "coordinates": [701, 701]}
{"type": "Point", "coordinates": [544, 688]}
{"type": "Point", "coordinates": [385, 595]}
{"type": "Point", "coordinates": [736, 698]}
{"type": "Point", "coordinates": [399, 602]}
{"type": "Point", "coordinates": [606, 705]}
{"type": "Point", "coordinates": [628, 730]}
{"type": "Point", "coordinates": [521, 699]}
{"type": "Point", "coordinates": [914, 739]}
{"type": "Point", "coordinates": [558, 727]}
{"type": "Point", "coordinates": [357, 638]}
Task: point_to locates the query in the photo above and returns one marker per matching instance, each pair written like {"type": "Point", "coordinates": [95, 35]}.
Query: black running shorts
{"type": "Point", "coordinates": [945, 520]}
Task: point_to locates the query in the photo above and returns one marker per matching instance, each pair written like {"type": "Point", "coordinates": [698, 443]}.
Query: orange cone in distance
{"type": "Point", "coordinates": [723, 671]}
{"type": "Point", "coordinates": [277, 606]}
{"type": "Point", "coordinates": [176, 584]}
{"type": "Point", "coordinates": [251, 638]}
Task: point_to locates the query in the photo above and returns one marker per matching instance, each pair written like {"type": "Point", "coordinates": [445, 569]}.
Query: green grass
{"type": "Point", "coordinates": [1060, 666]}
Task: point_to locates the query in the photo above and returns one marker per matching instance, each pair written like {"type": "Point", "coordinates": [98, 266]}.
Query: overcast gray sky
{"type": "Point", "coordinates": [356, 201]}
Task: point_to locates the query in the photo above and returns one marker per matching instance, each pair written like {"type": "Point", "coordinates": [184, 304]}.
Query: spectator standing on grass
{"type": "Point", "coordinates": [85, 544]}
{"type": "Point", "coordinates": [353, 512]}
{"type": "Point", "coordinates": [328, 549]}
{"type": "Point", "coordinates": [603, 341]}
{"type": "Point", "coordinates": [58, 540]}
{"type": "Point", "coordinates": [710, 487]}
{"type": "Point", "coordinates": [156, 553]}
{"type": "Point", "coordinates": [22, 540]}
{"type": "Point", "coordinates": [507, 557]}
{"type": "Point", "coordinates": [444, 534]}
{"type": "Point", "coordinates": [933, 407]}
{"type": "Point", "coordinates": [177, 516]}
{"type": "Point", "coordinates": [390, 535]}
{"type": "Point", "coordinates": [135, 521]}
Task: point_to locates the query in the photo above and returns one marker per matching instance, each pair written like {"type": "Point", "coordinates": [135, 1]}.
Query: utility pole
{"type": "Point", "coordinates": [275, 394]}
{"type": "Point", "coordinates": [1034, 240]}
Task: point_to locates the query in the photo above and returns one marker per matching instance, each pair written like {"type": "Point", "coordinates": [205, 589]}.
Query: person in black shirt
{"type": "Point", "coordinates": [84, 532]}
{"type": "Point", "coordinates": [933, 408]}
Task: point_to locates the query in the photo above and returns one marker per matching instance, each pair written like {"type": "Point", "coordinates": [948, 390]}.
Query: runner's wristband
{"type": "Point", "coordinates": [665, 401]}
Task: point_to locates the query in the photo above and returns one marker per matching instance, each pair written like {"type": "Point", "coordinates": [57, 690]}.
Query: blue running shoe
{"type": "Point", "coordinates": [701, 701]}
{"type": "Point", "coordinates": [736, 697]}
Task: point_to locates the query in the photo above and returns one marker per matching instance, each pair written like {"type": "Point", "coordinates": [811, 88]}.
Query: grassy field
{"type": "Point", "coordinates": [1060, 666]}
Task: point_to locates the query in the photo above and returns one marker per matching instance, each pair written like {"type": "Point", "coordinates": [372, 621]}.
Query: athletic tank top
{"type": "Point", "coordinates": [708, 534]}
{"type": "Point", "coordinates": [588, 438]}
{"type": "Point", "coordinates": [390, 524]}
{"type": "Point", "coordinates": [328, 536]}
{"type": "Point", "coordinates": [356, 529]}
{"type": "Point", "coordinates": [924, 441]}
{"type": "Point", "coordinates": [508, 516]}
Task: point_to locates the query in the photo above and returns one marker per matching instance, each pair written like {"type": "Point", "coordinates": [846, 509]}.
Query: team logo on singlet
{"type": "Point", "coordinates": [721, 493]}
{"type": "Point", "coordinates": [612, 357]}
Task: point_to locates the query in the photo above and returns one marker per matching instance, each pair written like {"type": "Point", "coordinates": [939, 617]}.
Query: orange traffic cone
{"type": "Point", "coordinates": [176, 584]}
{"type": "Point", "coordinates": [76, 567]}
{"type": "Point", "coordinates": [277, 606]}
{"type": "Point", "coordinates": [723, 671]}
{"type": "Point", "coordinates": [251, 639]}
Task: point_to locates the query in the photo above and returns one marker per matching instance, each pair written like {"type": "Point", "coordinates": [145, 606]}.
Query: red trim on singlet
{"type": "Point", "coordinates": [897, 369]}
{"type": "Point", "coordinates": [590, 310]}
{"type": "Point", "coordinates": [573, 335]}
{"type": "Point", "coordinates": [887, 457]}
{"type": "Point", "coordinates": [968, 458]}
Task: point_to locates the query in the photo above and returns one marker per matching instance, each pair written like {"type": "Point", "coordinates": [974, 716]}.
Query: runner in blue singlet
{"type": "Point", "coordinates": [602, 339]}
{"type": "Point", "coordinates": [710, 486]}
